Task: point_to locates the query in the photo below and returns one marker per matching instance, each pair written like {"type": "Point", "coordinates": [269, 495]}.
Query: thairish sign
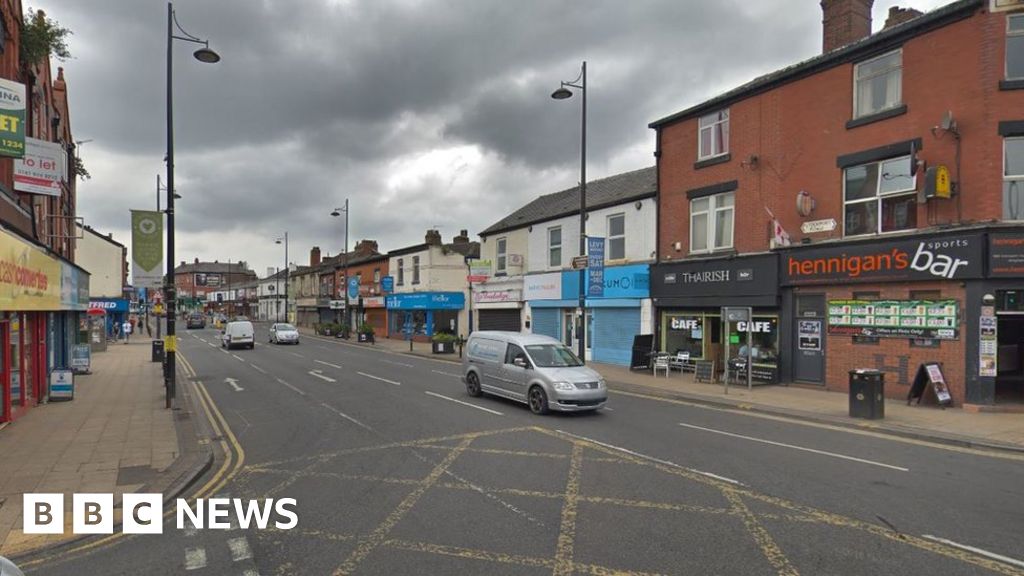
{"type": "Point", "coordinates": [1006, 255]}
{"type": "Point", "coordinates": [951, 257]}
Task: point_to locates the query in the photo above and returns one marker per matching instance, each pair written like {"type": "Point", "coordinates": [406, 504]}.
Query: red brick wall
{"type": "Point", "coordinates": [797, 131]}
{"type": "Point", "coordinates": [844, 355]}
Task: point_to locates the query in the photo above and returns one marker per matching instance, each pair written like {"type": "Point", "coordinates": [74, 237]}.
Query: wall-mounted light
{"type": "Point", "coordinates": [639, 204]}
{"type": "Point", "coordinates": [751, 162]}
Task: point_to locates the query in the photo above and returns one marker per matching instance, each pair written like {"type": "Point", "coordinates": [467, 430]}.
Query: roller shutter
{"type": "Point", "coordinates": [545, 321]}
{"type": "Point", "coordinates": [614, 329]}
{"type": "Point", "coordinates": [503, 319]}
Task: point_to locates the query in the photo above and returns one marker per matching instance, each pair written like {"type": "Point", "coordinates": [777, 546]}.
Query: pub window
{"type": "Point", "coordinates": [501, 249]}
{"type": "Point", "coordinates": [879, 197]}
{"type": "Point", "coordinates": [866, 296]}
{"type": "Point", "coordinates": [877, 84]}
{"type": "Point", "coordinates": [1015, 47]}
{"type": "Point", "coordinates": [555, 247]}
{"type": "Point", "coordinates": [616, 237]}
{"type": "Point", "coordinates": [711, 222]}
{"type": "Point", "coordinates": [401, 271]}
{"type": "Point", "coordinates": [1013, 179]}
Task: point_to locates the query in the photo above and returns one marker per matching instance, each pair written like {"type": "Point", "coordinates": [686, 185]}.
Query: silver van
{"type": "Point", "coordinates": [536, 370]}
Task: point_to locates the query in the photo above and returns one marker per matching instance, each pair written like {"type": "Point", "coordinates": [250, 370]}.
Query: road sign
{"type": "Point", "coordinates": [813, 226]}
{"type": "Point", "coordinates": [579, 262]}
{"type": "Point", "coordinates": [476, 279]}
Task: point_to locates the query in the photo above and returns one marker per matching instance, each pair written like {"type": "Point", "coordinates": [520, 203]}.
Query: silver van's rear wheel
{"type": "Point", "coordinates": [472, 384]}
{"type": "Point", "coordinates": [538, 400]}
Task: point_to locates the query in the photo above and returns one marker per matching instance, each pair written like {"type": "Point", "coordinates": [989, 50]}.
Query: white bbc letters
{"type": "Point", "coordinates": [142, 514]}
{"type": "Point", "coordinates": [43, 514]}
{"type": "Point", "coordinates": [92, 514]}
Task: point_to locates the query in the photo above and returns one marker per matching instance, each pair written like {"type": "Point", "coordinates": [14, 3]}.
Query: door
{"type": "Point", "coordinates": [809, 339]}
{"type": "Point", "coordinates": [513, 377]}
{"type": "Point", "coordinates": [568, 327]}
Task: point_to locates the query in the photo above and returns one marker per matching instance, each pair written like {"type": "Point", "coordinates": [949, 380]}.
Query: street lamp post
{"type": "Point", "coordinates": [207, 56]}
{"type": "Point", "coordinates": [286, 270]}
{"type": "Point", "coordinates": [563, 92]}
{"type": "Point", "coordinates": [337, 212]}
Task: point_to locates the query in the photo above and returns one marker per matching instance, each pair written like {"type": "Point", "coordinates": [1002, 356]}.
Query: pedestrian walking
{"type": "Point", "coordinates": [126, 329]}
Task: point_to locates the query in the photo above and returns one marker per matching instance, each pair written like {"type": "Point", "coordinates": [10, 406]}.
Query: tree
{"type": "Point", "coordinates": [42, 36]}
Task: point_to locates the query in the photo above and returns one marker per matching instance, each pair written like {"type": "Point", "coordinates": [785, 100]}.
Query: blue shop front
{"type": "Point", "coordinates": [623, 311]}
{"type": "Point", "coordinates": [424, 314]}
{"type": "Point", "coordinates": [116, 310]}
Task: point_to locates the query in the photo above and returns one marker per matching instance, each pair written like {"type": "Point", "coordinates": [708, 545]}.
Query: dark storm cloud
{"type": "Point", "coordinates": [421, 112]}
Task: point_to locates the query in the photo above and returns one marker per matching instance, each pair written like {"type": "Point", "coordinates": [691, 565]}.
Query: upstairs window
{"type": "Point", "coordinates": [501, 250]}
{"type": "Point", "coordinates": [711, 222]}
{"type": "Point", "coordinates": [616, 249]}
{"type": "Point", "coordinates": [401, 272]}
{"type": "Point", "coordinates": [415, 269]}
{"type": "Point", "coordinates": [713, 138]}
{"type": "Point", "coordinates": [878, 84]}
{"type": "Point", "coordinates": [1013, 179]}
{"type": "Point", "coordinates": [376, 275]}
{"type": "Point", "coordinates": [1015, 47]}
{"type": "Point", "coordinates": [879, 197]}
{"type": "Point", "coordinates": [555, 247]}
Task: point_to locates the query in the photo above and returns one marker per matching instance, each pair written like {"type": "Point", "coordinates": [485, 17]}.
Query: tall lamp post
{"type": "Point", "coordinates": [207, 56]}
{"type": "Point", "coordinates": [286, 270]}
{"type": "Point", "coordinates": [337, 212]}
{"type": "Point", "coordinates": [563, 92]}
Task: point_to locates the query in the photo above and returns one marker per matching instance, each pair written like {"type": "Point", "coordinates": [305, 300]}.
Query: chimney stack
{"type": "Point", "coordinates": [462, 238]}
{"type": "Point", "coordinates": [314, 257]}
{"type": "Point", "coordinates": [197, 260]}
{"type": "Point", "coordinates": [899, 15]}
{"type": "Point", "coordinates": [844, 22]}
{"type": "Point", "coordinates": [433, 238]}
{"type": "Point", "coordinates": [182, 262]}
{"type": "Point", "coordinates": [366, 247]}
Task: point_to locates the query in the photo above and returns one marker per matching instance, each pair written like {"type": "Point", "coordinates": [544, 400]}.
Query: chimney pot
{"type": "Point", "coordinates": [899, 15]}
{"type": "Point", "coordinates": [314, 257]}
{"type": "Point", "coordinates": [433, 237]}
{"type": "Point", "coordinates": [844, 22]}
{"type": "Point", "coordinates": [197, 261]}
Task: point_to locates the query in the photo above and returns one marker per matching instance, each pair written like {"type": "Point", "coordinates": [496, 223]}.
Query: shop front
{"type": "Point", "coordinates": [499, 304]}
{"type": "Point", "coordinates": [424, 314]}
{"type": "Point", "coordinates": [549, 312]}
{"type": "Point", "coordinates": [374, 313]}
{"type": "Point", "coordinates": [689, 298]}
{"type": "Point", "coordinates": [1000, 339]}
{"type": "Point", "coordinates": [116, 313]}
{"type": "Point", "coordinates": [889, 304]}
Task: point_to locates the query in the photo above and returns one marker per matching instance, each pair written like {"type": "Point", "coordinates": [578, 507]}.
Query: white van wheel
{"type": "Point", "coordinates": [472, 384]}
{"type": "Point", "coordinates": [538, 400]}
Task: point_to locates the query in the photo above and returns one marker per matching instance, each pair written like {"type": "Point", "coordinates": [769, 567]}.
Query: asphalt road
{"type": "Point", "coordinates": [396, 470]}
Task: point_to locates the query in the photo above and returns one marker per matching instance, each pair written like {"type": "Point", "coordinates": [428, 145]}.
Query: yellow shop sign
{"type": "Point", "coordinates": [29, 277]}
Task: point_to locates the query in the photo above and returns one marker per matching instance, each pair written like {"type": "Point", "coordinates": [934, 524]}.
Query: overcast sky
{"type": "Point", "coordinates": [422, 113]}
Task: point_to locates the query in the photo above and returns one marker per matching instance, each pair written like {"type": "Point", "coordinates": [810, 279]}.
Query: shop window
{"type": "Point", "coordinates": [683, 333]}
{"type": "Point", "coordinates": [401, 272]}
{"type": "Point", "coordinates": [501, 250]}
{"type": "Point", "coordinates": [711, 222]}
{"type": "Point", "coordinates": [877, 84]}
{"type": "Point", "coordinates": [616, 249]}
{"type": "Point", "coordinates": [879, 197]}
{"type": "Point", "coordinates": [1013, 179]}
{"type": "Point", "coordinates": [1015, 47]}
{"type": "Point", "coordinates": [713, 138]}
{"type": "Point", "coordinates": [415, 269]}
{"type": "Point", "coordinates": [446, 322]}
{"type": "Point", "coordinates": [555, 247]}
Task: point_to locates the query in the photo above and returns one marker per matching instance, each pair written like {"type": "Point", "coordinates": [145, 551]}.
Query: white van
{"type": "Point", "coordinates": [238, 334]}
{"type": "Point", "coordinates": [536, 370]}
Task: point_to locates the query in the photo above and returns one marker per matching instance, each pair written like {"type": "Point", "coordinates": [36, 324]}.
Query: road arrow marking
{"type": "Point", "coordinates": [327, 364]}
{"type": "Point", "coordinates": [379, 378]}
{"type": "Point", "coordinates": [234, 384]}
{"type": "Point", "coordinates": [317, 374]}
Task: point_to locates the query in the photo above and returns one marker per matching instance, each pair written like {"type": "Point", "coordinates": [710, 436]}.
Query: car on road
{"type": "Point", "coordinates": [195, 321]}
{"type": "Point", "coordinates": [283, 333]}
{"type": "Point", "coordinates": [238, 334]}
{"type": "Point", "coordinates": [537, 370]}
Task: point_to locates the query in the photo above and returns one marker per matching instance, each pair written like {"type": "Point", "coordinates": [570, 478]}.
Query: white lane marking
{"type": "Point", "coordinates": [379, 378]}
{"type": "Point", "coordinates": [234, 384]}
{"type": "Point", "coordinates": [195, 558]}
{"type": "Point", "coordinates": [297, 355]}
{"type": "Point", "coordinates": [978, 551]}
{"type": "Point", "coordinates": [346, 416]}
{"type": "Point", "coordinates": [446, 373]}
{"type": "Point", "coordinates": [471, 405]}
{"type": "Point", "coordinates": [327, 364]}
{"type": "Point", "coordinates": [211, 344]}
{"type": "Point", "coordinates": [653, 459]}
{"type": "Point", "coordinates": [250, 572]}
{"type": "Point", "coordinates": [317, 374]}
{"type": "Point", "coordinates": [398, 363]}
{"type": "Point", "coordinates": [802, 448]}
{"type": "Point", "coordinates": [257, 368]}
{"type": "Point", "coordinates": [322, 347]}
{"type": "Point", "coordinates": [224, 350]}
{"type": "Point", "coordinates": [300, 392]}
{"type": "Point", "coordinates": [607, 409]}
{"type": "Point", "coordinates": [239, 358]}
{"type": "Point", "coordinates": [239, 549]}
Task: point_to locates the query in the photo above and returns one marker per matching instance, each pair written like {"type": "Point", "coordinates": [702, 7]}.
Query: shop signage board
{"type": "Point", "coordinates": [988, 343]}
{"type": "Point", "coordinates": [543, 286]}
{"type": "Point", "coordinates": [937, 319]}
{"type": "Point", "coordinates": [709, 282]}
{"type": "Point", "coordinates": [595, 267]}
{"type": "Point", "coordinates": [12, 118]}
{"type": "Point", "coordinates": [480, 268]}
{"type": "Point", "coordinates": [496, 296]}
{"type": "Point", "coordinates": [809, 335]}
{"type": "Point", "coordinates": [387, 284]}
{"type": "Point", "coordinates": [427, 301]}
{"type": "Point", "coordinates": [948, 257]}
{"type": "Point", "coordinates": [930, 376]}
{"type": "Point", "coordinates": [62, 384]}
{"type": "Point", "coordinates": [147, 248]}
{"type": "Point", "coordinates": [30, 279]}
{"type": "Point", "coordinates": [1006, 254]}
{"type": "Point", "coordinates": [813, 226]}
{"type": "Point", "coordinates": [204, 279]}
{"type": "Point", "coordinates": [81, 358]}
{"type": "Point", "coordinates": [42, 169]}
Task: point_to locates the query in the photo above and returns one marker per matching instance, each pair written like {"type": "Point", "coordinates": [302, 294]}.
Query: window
{"type": "Point", "coordinates": [1015, 47]}
{"type": "Point", "coordinates": [555, 246]}
{"type": "Point", "coordinates": [401, 271]}
{"type": "Point", "coordinates": [713, 138]}
{"type": "Point", "coordinates": [415, 269]}
{"type": "Point", "coordinates": [1013, 179]}
{"type": "Point", "coordinates": [877, 84]}
{"type": "Point", "coordinates": [711, 221]}
{"type": "Point", "coordinates": [376, 275]}
{"type": "Point", "coordinates": [879, 197]}
{"type": "Point", "coordinates": [502, 252]}
{"type": "Point", "coordinates": [616, 249]}
{"type": "Point", "coordinates": [512, 353]}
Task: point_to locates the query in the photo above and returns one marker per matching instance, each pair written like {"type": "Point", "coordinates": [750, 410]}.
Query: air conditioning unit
{"type": "Point", "coordinates": [1005, 5]}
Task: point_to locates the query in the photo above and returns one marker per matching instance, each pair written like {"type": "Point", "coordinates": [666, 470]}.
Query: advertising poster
{"type": "Point", "coordinates": [12, 118]}
{"type": "Point", "coordinates": [937, 319]}
{"type": "Point", "coordinates": [147, 248]}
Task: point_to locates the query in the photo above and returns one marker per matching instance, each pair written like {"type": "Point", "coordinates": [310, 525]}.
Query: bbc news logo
{"type": "Point", "coordinates": [143, 513]}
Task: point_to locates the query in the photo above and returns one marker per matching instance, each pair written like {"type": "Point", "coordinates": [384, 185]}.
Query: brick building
{"type": "Point", "coordinates": [895, 163]}
{"type": "Point", "coordinates": [368, 267]}
{"type": "Point", "coordinates": [196, 281]}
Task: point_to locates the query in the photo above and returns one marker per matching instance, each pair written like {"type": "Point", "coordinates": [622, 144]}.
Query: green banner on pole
{"type": "Point", "coordinates": [12, 118]}
{"type": "Point", "coordinates": [147, 248]}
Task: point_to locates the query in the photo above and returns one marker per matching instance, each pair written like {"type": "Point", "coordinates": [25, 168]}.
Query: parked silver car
{"type": "Point", "coordinates": [536, 370]}
{"type": "Point", "coordinates": [281, 333]}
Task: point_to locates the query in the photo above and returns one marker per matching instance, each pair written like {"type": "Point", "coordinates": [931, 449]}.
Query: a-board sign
{"type": "Point", "coordinates": [704, 371]}
{"type": "Point", "coordinates": [81, 358]}
{"type": "Point", "coordinates": [930, 377]}
{"type": "Point", "coordinates": [62, 384]}
{"type": "Point", "coordinates": [643, 345]}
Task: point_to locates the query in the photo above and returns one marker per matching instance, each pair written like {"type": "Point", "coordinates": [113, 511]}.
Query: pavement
{"type": "Point", "coordinates": [954, 425]}
{"type": "Point", "coordinates": [115, 436]}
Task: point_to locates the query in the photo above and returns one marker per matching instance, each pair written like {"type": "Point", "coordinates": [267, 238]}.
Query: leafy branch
{"type": "Point", "coordinates": [42, 36]}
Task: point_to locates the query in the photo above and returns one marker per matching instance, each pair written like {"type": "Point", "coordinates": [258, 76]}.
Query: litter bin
{"type": "Point", "coordinates": [157, 351]}
{"type": "Point", "coordinates": [867, 394]}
